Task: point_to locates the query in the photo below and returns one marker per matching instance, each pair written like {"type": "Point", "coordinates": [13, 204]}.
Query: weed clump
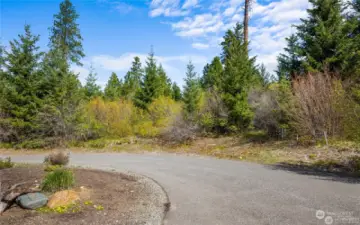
{"type": "Point", "coordinates": [59, 179]}
{"type": "Point", "coordinates": [6, 163]}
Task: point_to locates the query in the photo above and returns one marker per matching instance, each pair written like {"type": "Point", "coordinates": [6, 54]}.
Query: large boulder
{"type": "Point", "coordinates": [63, 198]}
{"type": "Point", "coordinates": [32, 200]}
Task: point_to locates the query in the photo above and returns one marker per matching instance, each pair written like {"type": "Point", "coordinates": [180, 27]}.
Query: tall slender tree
{"type": "Point", "coordinates": [239, 72]}
{"type": "Point", "coordinates": [289, 63]}
{"type": "Point", "coordinates": [213, 73]}
{"type": "Point", "coordinates": [91, 88]}
{"type": "Point", "coordinates": [22, 90]}
{"type": "Point", "coordinates": [246, 20]}
{"type": "Point", "coordinates": [133, 79]}
{"type": "Point", "coordinates": [150, 85]}
{"type": "Point", "coordinates": [192, 92]}
{"type": "Point", "coordinates": [322, 36]}
{"type": "Point", "coordinates": [65, 34]}
{"type": "Point", "coordinates": [164, 82]}
{"type": "Point", "coordinates": [113, 88]}
{"type": "Point", "coordinates": [176, 92]}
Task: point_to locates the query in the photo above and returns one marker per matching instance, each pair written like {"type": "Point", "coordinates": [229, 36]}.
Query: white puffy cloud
{"type": "Point", "coordinates": [271, 22]}
{"type": "Point", "coordinates": [200, 46]}
{"type": "Point", "coordinates": [190, 4]}
{"type": "Point", "coordinates": [168, 8]}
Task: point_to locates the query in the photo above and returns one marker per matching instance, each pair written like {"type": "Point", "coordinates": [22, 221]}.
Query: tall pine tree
{"type": "Point", "coordinates": [113, 88]}
{"type": "Point", "coordinates": [91, 89]}
{"type": "Point", "coordinates": [322, 36]}
{"type": "Point", "coordinates": [21, 94]}
{"type": "Point", "coordinates": [176, 92]}
{"type": "Point", "coordinates": [133, 79]}
{"type": "Point", "coordinates": [212, 74]}
{"type": "Point", "coordinates": [164, 82]}
{"type": "Point", "coordinates": [65, 34]}
{"type": "Point", "coordinates": [150, 85]}
{"type": "Point", "coordinates": [239, 72]}
{"type": "Point", "coordinates": [289, 63]}
{"type": "Point", "coordinates": [192, 92]}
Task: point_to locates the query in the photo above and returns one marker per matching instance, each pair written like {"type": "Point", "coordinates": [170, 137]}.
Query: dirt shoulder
{"type": "Point", "coordinates": [337, 157]}
{"type": "Point", "coordinates": [116, 198]}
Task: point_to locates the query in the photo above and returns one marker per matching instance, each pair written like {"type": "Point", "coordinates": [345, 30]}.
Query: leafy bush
{"type": "Point", "coordinates": [32, 144]}
{"type": "Point", "coordinates": [6, 163]}
{"type": "Point", "coordinates": [59, 179]}
{"type": "Point", "coordinates": [58, 158]}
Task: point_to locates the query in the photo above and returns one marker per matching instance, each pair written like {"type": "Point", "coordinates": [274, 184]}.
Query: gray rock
{"type": "Point", "coordinates": [32, 200]}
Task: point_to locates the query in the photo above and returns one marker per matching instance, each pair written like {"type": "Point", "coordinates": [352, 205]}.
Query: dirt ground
{"type": "Point", "coordinates": [120, 196]}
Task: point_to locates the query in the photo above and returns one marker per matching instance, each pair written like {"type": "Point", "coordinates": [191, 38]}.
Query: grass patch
{"type": "Point", "coordinates": [59, 179]}
{"type": "Point", "coordinates": [6, 163]}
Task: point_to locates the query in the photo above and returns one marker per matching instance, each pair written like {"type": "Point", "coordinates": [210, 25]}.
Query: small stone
{"type": "Point", "coordinates": [63, 198]}
{"type": "Point", "coordinates": [32, 200]}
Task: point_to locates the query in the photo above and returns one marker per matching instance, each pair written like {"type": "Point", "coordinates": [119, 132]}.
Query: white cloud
{"type": "Point", "coordinates": [200, 46]}
{"type": "Point", "coordinates": [168, 8]}
{"type": "Point", "coordinates": [199, 25]}
{"type": "Point", "coordinates": [230, 11]}
{"type": "Point", "coordinates": [271, 22]}
{"type": "Point", "coordinates": [190, 4]}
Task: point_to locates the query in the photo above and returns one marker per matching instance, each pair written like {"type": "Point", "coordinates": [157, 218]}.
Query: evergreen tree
{"type": "Point", "coordinates": [239, 72]}
{"type": "Point", "coordinates": [192, 92]}
{"type": "Point", "coordinates": [164, 82]}
{"type": "Point", "coordinates": [21, 83]}
{"type": "Point", "coordinates": [176, 92]}
{"type": "Point", "coordinates": [60, 116]}
{"type": "Point", "coordinates": [289, 63]}
{"type": "Point", "coordinates": [212, 74]}
{"type": "Point", "coordinates": [322, 36]}
{"type": "Point", "coordinates": [91, 88]}
{"type": "Point", "coordinates": [65, 34]}
{"type": "Point", "coordinates": [265, 76]}
{"type": "Point", "coordinates": [150, 85]}
{"type": "Point", "coordinates": [133, 79]}
{"type": "Point", "coordinates": [113, 88]}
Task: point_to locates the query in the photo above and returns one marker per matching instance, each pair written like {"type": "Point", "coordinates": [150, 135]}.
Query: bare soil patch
{"type": "Point", "coordinates": [123, 198]}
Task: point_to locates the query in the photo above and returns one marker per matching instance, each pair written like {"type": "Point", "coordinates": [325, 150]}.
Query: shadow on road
{"type": "Point", "coordinates": [345, 177]}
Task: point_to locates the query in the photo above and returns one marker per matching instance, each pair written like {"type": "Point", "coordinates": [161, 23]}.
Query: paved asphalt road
{"type": "Point", "coordinates": [207, 191]}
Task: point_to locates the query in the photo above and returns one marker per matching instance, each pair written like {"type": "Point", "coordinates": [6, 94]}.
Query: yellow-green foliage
{"type": "Point", "coordinates": [6, 163]}
{"type": "Point", "coordinates": [51, 168]}
{"type": "Point", "coordinates": [121, 118]}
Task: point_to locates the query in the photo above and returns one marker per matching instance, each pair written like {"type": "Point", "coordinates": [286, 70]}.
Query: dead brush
{"type": "Point", "coordinates": [59, 157]}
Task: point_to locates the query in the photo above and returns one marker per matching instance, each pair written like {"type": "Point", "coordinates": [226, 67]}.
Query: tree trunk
{"type": "Point", "coordinates": [246, 21]}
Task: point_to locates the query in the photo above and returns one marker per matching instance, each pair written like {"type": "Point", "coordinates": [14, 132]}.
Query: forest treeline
{"type": "Point", "coordinates": [315, 89]}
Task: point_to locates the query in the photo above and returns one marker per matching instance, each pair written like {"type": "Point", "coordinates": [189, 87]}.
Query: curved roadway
{"type": "Point", "coordinates": [207, 191]}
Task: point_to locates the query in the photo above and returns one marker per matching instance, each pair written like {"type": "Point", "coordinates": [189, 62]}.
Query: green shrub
{"type": "Point", "coordinates": [59, 179]}
{"type": "Point", "coordinates": [57, 158]}
{"type": "Point", "coordinates": [32, 144]}
{"type": "Point", "coordinates": [6, 163]}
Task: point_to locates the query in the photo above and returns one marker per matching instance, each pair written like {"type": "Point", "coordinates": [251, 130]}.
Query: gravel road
{"type": "Point", "coordinates": [208, 191]}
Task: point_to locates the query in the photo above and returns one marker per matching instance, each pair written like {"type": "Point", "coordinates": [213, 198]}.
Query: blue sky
{"type": "Point", "coordinates": [115, 31]}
